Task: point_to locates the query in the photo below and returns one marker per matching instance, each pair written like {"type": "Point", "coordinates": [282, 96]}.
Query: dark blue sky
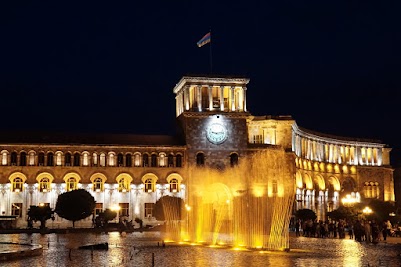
{"type": "Point", "coordinates": [111, 67]}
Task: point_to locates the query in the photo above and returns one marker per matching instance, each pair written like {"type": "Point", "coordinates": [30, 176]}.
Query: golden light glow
{"type": "Point", "coordinates": [348, 200]}
{"type": "Point", "coordinates": [367, 211]}
{"type": "Point", "coordinates": [115, 207]}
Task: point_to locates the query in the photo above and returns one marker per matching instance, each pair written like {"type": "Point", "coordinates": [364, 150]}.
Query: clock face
{"type": "Point", "coordinates": [216, 133]}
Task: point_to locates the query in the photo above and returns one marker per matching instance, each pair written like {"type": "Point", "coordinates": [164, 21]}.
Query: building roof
{"type": "Point", "coordinates": [67, 138]}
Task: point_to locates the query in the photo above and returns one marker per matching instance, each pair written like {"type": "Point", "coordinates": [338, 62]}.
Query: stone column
{"type": "Point", "coordinates": [244, 92]}
{"type": "Point", "coordinates": [209, 90]}
{"type": "Point", "coordinates": [186, 98]}
{"type": "Point", "coordinates": [199, 97]}
{"type": "Point", "coordinates": [221, 98]}
{"type": "Point", "coordinates": [232, 98]}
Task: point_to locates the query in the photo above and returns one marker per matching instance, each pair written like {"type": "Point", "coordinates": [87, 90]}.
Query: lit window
{"type": "Point", "coordinates": [123, 185]}
{"type": "Point", "coordinates": [85, 158]}
{"type": "Point", "coordinates": [112, 159]}
{"type": "Point", "coordinates": [17, 185]}
{"type": "Point", "coordinates": [174, 185]}
{"type": "Point", "coordinates": [98, 208]}
{"type": "Point", "coordinates": [102, 160]}
{"type": "Point", "coordinates": [16, 209]}
{"type": "Point", "coordinates": [44, 185]}
{"type": "Point", "coordinates": [31, 158]}
{"type": "Point", "coordinates": [4, 158]}
{"type": "Point", "coordinates": [149, 185]}
{"type": "Point", "coordinates": [162, 160]}
{"type": "Point", "coordinates": [137, 160]}
{"type": "Point", "coordinates": [149, 209]}
{"type": "Point", "coordinates": [258, 139]}
{"type": "Point", "coordinates": [124, 210]}
{"type": "Point", "coordinates": [98, 185]}
{"type": "Point", "coordinates": [94, 159]}
{"type": "Point", "coordinates": [72, 184]}
{"type": "Point", "coordinates": [58, 158]}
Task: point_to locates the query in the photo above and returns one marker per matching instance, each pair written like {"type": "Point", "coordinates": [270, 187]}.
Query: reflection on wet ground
{"type": "Point", "coordinates": [145, 249]}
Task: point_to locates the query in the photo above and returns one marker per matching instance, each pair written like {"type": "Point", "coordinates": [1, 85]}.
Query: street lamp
{"type": "Point", "coordinates": [348, 200]}
{"type": "Point", "coordinates": [367, 211]}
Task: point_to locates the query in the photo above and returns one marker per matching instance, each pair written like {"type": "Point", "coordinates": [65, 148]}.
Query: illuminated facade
{"type": "Point", "coordinates": [216, 132]}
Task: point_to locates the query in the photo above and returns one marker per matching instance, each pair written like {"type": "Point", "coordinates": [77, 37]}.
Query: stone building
{"type": "Point", "coordinates": [217, 132]}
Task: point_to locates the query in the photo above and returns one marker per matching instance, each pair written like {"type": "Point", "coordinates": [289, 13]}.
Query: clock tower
{"type": "Point", "coordinates": [212, 115]}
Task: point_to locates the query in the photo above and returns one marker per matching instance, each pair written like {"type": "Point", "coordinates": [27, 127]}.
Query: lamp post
{"type": "Point", "coordinates": [367, 211]}
{"type": "Point", "coordinates": [348, 200]}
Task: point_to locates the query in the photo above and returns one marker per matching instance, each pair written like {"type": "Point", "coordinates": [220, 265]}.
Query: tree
{"type": "Point", "coordinates": [305, 214]}
{"type": "Point", "coordinates": [104, 217]}
{"type": "Point", "coordinates": [40, 213]}
{"type": "Point", "coordinates": [381, 210]}
{"type": "Point", "coordinates": [75, 205]}
{"type": "Point", "coordinates": [346, 213]}
{"type": "Point", "coordinates": [168, 208]}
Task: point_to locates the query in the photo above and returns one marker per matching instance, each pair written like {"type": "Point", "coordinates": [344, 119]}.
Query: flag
{"type": "Point", "coordinates": [205, 39]}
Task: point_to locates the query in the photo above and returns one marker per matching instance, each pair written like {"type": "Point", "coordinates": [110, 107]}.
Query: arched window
{"type": "Point", "coordinates": [234, 159]}
{"type": "Point", "coordinates": [153, 160]}
{"type": "Point", "coordinates": [67, 159]}
{"type": "Point", "coordinates": [102, 160]}
{"type": "Point", "coordinates": [72, 184]}
{"type": "Point", "coordinates": [174, 185]}
{"type": "Point", "coordinates": [44, 185]}
{"type": "Point", "coordinates": [128, 160]}
{"type": "Point", "coordinates": [162, 160]}
{"type": "Point", "coordinates": [22, 159]}
{"type": "Point", "coordinates": [178, 160]}
{"type": "Point", "coordinates": [120, 160]}
{"type": "Point", "coordinates": [149, 185]}
{"type": "Point", "coordinates": [4, 159]}
{"type": "Point", "coordinates": [94, 159]}
{"type": "Point", "coordinates": [123, 185]}
{"type": "Point", "coordinates": [59, 156]}
{"type": "Point", "coordinates": [112, 159]}
{"type": "Point", "coordinates": [50, 161]}
{"type": "Point", "coordinates": [41, 159]}
{"type": "Point", "coordinates": [137, 160]}
{"type": "Point", "coordinates": [372, 190]}
{"type": "Point", "coordinates": [77, 159]}
{"type": "Point", "coordinates": [200, 159]}
{"type": "Point", "coordinates": [31, 158]}
{"type": "Point", "coordinates": [13, 159]}
{"type": "Point", "coordinates": [170, 160]}
{"type": "Point", "coordinates": [145, 160]}
{"type": "Point", "coordinates": [17, 185]}
{"type": "Point", "coordinates": [85, 158]}
{"type": "Point", "coordinates": [98, 185]}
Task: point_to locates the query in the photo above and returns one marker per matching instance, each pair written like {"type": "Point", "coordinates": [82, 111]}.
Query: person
{"type": "Point", "coordinates": [388, 227]}
{"type": "Point", "coordinates": [297, 225]}
{"type": "Point", "coordinates": [384, 230]}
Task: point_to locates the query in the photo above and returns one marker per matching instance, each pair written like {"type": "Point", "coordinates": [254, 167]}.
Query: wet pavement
{"type": "Point", "coordinates": [145, 249]}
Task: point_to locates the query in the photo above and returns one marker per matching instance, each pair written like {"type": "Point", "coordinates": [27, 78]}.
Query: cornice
{"type": "Point", "coordinates": [215, 81]}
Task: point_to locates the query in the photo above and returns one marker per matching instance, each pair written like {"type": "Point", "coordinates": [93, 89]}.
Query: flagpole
{"type": "Point", "coordinates": [210, 53]}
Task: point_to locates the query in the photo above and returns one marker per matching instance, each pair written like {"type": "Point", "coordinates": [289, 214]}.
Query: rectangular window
{"type": "Point", "coordinates": [98, 208]}
{"type": "Point", "coordinates": [257, 139]}
{"type": "Point", "coordinates": [124, 209]}
{"type": "Point", "coordinates": [149, 209]}
{"type": "Point", "coordinates": [16, 209]}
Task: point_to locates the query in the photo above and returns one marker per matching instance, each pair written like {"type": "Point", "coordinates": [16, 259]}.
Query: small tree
{"type": "Point", "coordinates": [40, 213]}
{"type": "Point", "coordinates": [381, 209]}
{"type": "Point", "coordinates": [75, 205]}
{"type": "Point", "coordinates": [305, 214]}
{"type": "Point", "coordinates": [104, 217]}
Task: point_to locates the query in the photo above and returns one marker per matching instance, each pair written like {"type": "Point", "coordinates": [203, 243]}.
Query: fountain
{"type": "Point", "coordinates": [248, 206]}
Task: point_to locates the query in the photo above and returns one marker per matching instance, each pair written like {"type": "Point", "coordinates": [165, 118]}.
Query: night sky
{"type": "Point", "coordinates": [109, 67]}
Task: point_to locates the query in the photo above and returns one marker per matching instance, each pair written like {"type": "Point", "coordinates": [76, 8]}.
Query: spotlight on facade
{"type": "Point", "coordinates": [115, 208]}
